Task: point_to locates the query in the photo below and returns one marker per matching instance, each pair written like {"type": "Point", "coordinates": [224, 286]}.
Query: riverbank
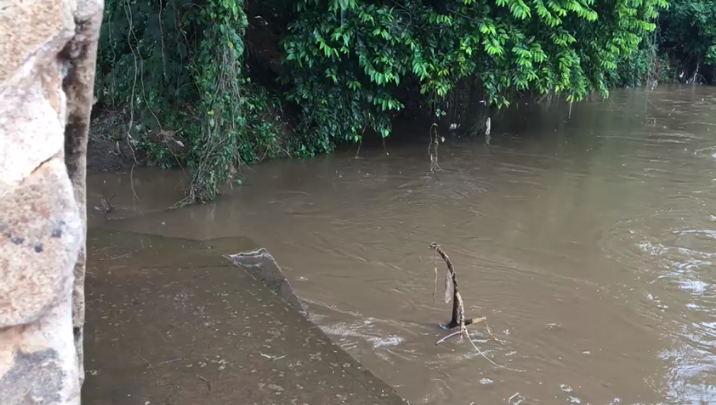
{"type": "Point", "coordinates": [108, 149]}
{"type": "Point", "coordinates": [193, 329]}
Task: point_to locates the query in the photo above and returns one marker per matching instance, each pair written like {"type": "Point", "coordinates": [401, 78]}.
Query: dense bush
{"type": "Point", "coordinates": [645, 67]}
{"type": "Point", "coordinates": [176, 68]}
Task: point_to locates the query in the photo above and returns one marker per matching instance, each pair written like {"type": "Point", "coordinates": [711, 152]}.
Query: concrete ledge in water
{"type": "Point", "coordinates": [262, 266]}
{"type": "Point", "coordinates": [170, 334]}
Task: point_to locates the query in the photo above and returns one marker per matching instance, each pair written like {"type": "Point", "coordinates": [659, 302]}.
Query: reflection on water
{"type": "Point", "coordinates": [588, 242]}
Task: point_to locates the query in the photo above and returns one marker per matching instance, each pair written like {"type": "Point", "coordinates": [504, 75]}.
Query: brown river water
{"type": "Point", "coordinates": [588, 241]}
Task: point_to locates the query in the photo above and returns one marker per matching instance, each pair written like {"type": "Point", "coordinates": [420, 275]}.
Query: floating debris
{"type": "Point", "coordinates": [458, 309]}
{"type": "Point", "coordinates": [270, 357]}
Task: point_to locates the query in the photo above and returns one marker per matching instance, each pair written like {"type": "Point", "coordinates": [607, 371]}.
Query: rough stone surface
{"type": "Point", "coordinates": [81, 55]}
{"type": "Point", "coordinates": [40, 236]}
{"type": "Point", "coordinates": [43, 386]}
{"type": "Point", "coordinates": [37, 361]}
{"type": "Point", "coordinates": [47, 67]}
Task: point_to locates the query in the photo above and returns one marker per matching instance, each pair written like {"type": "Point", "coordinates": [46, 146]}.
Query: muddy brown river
{"type": "Point", "coordinates": [588, 241]}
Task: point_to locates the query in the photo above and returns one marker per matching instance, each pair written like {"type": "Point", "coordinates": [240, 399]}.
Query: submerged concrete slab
{"type": "Point", "coordinates": [262, 266]}
{"type": "Point", "coordinates": [172, 322]}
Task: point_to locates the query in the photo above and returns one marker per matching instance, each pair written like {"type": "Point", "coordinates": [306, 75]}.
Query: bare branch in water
{"type": "Point", "coordinates": [458, 311]}
{"type": "Point", "coordinates": [458, 308]}
{"type": "Point", "coordinates": [107, 206]}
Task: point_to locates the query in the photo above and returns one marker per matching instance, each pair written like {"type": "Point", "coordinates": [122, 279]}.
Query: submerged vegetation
{"type": "Point", "coordinates": [214, 85]}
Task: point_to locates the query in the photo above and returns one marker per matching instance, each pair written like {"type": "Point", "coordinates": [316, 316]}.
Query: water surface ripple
{"type": "Point", "coordinates": [588, 241]}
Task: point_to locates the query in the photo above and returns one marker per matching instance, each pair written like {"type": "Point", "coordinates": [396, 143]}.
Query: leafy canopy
{"type": "Point", "coordinates": [346, 58]}
{"type": "Point", "coordinates": [689, 31]}
{"type": "Point", "coordinates": [179, 67]}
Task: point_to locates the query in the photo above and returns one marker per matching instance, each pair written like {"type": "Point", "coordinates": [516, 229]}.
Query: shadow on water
{"type": "Point", "coordinates": [588, 242]}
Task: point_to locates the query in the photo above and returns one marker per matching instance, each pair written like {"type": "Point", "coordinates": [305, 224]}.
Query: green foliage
{"type": "Point", "coordinates": [142, 56]}
{"type": "Point", "coordinates": [347, 58]}
{"type": "Point", "coordinates": [177, 68]}
{"type": "Point", "coordinates": [218, 72]}
{"type": "Point", "coordinates": [642, 67]}
{"type": "Point", "coordinates": [689, 33]}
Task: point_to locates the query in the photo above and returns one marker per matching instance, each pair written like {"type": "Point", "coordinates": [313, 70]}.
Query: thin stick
{"type": "Point", "coordinates": [456, 333]}
{"type": "Point", "coordinates": [170, 361]}
{"type": "Point", "coordinates": [161, 28]}
{"type": "Point", "coordinates": [489, 332]}
{"type": "Point", "coordinates": [128, 13]}
{"type": "Point", "coordinates": [435, 283]}
{"type": "Point", "coordinates": [433, 149]}
{"type": "Point", "coordinates": [478, 349]}
{"type": "Point", "coordinates": [361, 140]}
{"type": "Point", "coordinates": [208, 384]}
{"type": "Point", "coordinates": [131, 182]}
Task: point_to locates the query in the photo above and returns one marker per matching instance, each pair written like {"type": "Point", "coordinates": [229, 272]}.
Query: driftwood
{"type": "Point", "coordinates": [452, 293]}
{"type": "Point", "coordinates": [458, 309]}
{"type": "Point", "coordinates": [107, 206]}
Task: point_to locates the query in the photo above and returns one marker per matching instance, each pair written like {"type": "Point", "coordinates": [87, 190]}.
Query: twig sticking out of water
{"type": "Point", "coordinates": [435, 283]}
{"type": "Point", "coordinates": [433, 149]}
{"type": "Point", "coordinates": [452, 293]}
{"type": "Point", "coordinates": [107, 206]}
{"type": "Point", "coordinates": [361, 141]}
{"type": "Point", "coordinates": [131, 182]}
{"type": "Point", "coordinates": [458, 308]}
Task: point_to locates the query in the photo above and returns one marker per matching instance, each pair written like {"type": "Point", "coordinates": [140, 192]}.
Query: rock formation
{"type": "Point", "coordinates": [47, 66]}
